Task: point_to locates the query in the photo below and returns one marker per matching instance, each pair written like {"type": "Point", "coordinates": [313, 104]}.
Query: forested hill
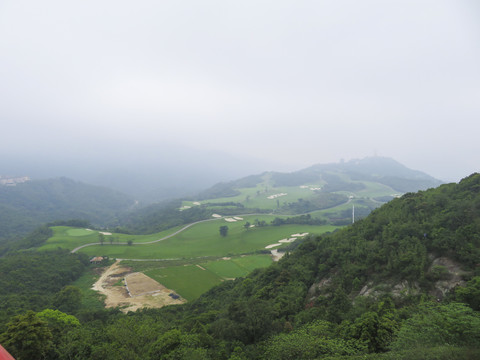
{"type": "Point", "coordinates": [390, 281]}
{"type": "Point", "coordinates": [30, 204]}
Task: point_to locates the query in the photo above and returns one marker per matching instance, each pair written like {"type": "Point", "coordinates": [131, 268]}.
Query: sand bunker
{"type": "Point", "coordinates": [299, 235]}
{"type": "Point", "coordinates": [105, 233]}
{"type": "Point", "coordinates": [272, 246]}
{"type": "Point", "coordinates": [276, 255]}
{"type": "Point", "coordinates": [287, 240]}
{"type": "Point", "coordinates": [238, 218]}
{"type": "Point", "coordinates": [230, 220]}
{"type": "Point", "coordinates": [216, 216]}
{"type": "Point", "coordinates": [276, 196]}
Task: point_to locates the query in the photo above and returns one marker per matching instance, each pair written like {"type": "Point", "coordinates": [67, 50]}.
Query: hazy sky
{"type": "Point", "coordinates": [292, 82]}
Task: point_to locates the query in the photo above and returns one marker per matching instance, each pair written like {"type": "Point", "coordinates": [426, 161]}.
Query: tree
{"type": "Point", "coordinates": [27, 337]}
{"type": "Point", "coordinates": [68, 299]}
{"type": "Point", "coordinates": [470, 294]}
{"type": "Point", "coordinates": [111, 240]}
{"type": "Point", "coordinates": [246, 225]}
{"type": "Point", "coordinates": [101, 238]}
{"type": "Point", "coordinates": [454, 324]}
{"type": "Point", "coordinates": [130, 242]}
{"type": "Point", "coordinates": [223, 230]}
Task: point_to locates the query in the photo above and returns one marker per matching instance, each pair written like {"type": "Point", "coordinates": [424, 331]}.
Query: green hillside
{"type": "Point", "coordinates": [403, 283]}
{"type": "Point", "coordinates": [30, 204]}
{"type": "Point", "coordinates": [321, 189]}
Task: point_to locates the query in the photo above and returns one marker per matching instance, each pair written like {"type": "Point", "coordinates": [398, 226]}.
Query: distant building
{"type": "Point", "coordinates": [12, 181]}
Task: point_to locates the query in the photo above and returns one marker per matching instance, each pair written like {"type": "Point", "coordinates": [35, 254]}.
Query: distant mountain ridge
{"type": "Point", "coordinates": [378, 169]}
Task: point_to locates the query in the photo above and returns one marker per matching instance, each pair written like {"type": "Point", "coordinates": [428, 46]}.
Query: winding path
{"type": "Point", "coordinates": [149, 242]}
{"type": "Point", "coordinates": [183, 229]}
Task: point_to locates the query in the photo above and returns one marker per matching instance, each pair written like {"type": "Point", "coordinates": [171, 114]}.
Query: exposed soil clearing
{"type": "Point", "coordinates": [144, 291]}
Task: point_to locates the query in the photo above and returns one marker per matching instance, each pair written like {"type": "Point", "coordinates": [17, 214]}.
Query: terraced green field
{"type": "Point", "coordinates": [192, 280]}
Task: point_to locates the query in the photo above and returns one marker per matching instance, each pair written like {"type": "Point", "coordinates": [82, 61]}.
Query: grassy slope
{"type": "Point", "coordinates": [201, 240]}
{"type": "Point", "coordinates": [205, 240]}
{"type": "Point", "coordinates": [192, 280]}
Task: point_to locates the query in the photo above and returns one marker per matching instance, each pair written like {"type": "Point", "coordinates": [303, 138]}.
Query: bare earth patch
{"type": "Point", "coordinates": [145, 291]}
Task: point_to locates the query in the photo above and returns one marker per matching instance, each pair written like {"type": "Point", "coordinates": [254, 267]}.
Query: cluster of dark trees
{"type": "Point", "coordinates": [306, 306]}
{"type": "Point", "coordinates": [319, 201]}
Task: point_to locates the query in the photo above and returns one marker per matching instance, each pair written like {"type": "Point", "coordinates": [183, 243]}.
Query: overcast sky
{"type": "Point", "coordinates": [291, 82]}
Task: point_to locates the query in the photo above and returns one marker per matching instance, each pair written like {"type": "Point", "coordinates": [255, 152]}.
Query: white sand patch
{"type": "Point", "coordinates": [230, 219]}
{"type": "Point", "coordinates": [299, 235]}
{"type": "Point", "coordinates": [185, 207]}
{"type": "Point", "coordinates": [315, 188]}
{"type": "Point", "coordinates": [272, 246]}
{"type": "Point", "coordinates": [200, 267]}
{"type": "Point", "coordinates": [277, 255]}
{"type": "Point", "coordinates": [303, 186]}
{"type": "Point", "coordinates": [252, 226]}
{"type": "Point", "coordinates": [105, 233]}
{"type": "Point", "coordinates": [196, 203]}
{"type": "Point", "coordinates": [226, 258]}
{"type": "Point", "coordinates": [237, 218]}
{"type": "Point", "coordinates": [287, 240]}
{"type": "Point", "coordinates": [276, 196]}
{"type": "Point", "coordinates": [216, 216]}
{"type": "Point", "coordinates": [89, 229]}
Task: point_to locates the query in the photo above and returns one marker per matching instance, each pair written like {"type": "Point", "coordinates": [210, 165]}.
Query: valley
{"type": "Point", "coordinates": [328, 262]}
{"type": "Point", "coordinates": [192, 259]}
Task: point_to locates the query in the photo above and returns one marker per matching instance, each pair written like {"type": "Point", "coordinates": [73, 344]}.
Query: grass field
{"type": "Point", "coordinates": [205, 257]}
{"type": "Point", "coordinates": [204, 240]}
{"type": "Point", "coordinates": [192, 280]}
{"type": "Point", "coordinates": [69, 238]}
{"type": "Point", "coordinates": [257, 197]}
{"type": "Point", "coordinates": [189, 281]}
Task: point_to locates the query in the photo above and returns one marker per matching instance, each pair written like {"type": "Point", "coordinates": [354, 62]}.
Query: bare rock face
{"type": "Point", "coordinates": [450, 273]}
{"type": "Point", "coordinates": [405, 288]}
{"type": "Point", "coordinates": [317, 288]}
{"type": "Point", "coordinates": [444, 273]}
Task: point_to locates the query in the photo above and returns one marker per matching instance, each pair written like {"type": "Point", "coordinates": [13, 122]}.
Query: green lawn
{"type": "Point", "coordinates": [69, 238]}
{"type": "Point", "coordinates": [189, 281]}
{"type": "Point", "coordinates": [192, 280]}
{"type": "Point", "coordinates": [204, 240]}
{"type": "Point", "coordinates": [237, 267]}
